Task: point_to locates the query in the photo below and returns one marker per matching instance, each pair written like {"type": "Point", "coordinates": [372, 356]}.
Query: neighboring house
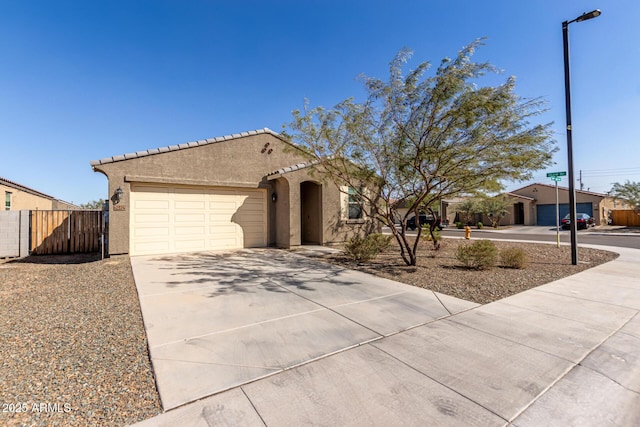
{"type": "Point", "coordinates": [252, 189]}
{"type": "Point", "coordinates": [17, 197]}
{"type": "Point", "coordinates": [535, 204]}
{"type": "Point", "coordinates": [543, 203]}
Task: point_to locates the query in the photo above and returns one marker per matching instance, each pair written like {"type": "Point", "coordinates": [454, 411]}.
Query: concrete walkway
{"type": "Point", "coordinates": [297, 342]}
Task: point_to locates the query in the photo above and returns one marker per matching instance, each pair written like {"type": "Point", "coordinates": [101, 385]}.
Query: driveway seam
{"type": "Point", "coordinates": [438, 382]}
{"type": "Point", "coordinates": [587, 299]}
{"type": "Point", "coordinates": [568, 371]}
{"type": "Point", "coordinates": [619, 330]}
{"type": "Point", "coordinates": [218, 364]}
{"type": "Point", "coordinates": [504, 301]}
{"type": "Point", "coordinates": [441, 303]}
{"type": "Point", "coordinates": [589, 351]}
{"type": "Point", "coordinates": [371, 299]}
{"type": "Point", "coordinates": [252, 405]}
{"type": "Point", "coordinates": [237, 328]}
{"type": "Point", "coordinates": [330, 309]}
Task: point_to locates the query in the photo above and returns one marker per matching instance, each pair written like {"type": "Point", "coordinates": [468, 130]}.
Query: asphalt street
{"type": "Point", "coordinates": [545, 234]}
{"type": "Point", "coordinates": [586, 237]}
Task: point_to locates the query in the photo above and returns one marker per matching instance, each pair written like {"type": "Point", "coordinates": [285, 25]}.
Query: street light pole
{"type": "Point", "coordinates": [567, 93]}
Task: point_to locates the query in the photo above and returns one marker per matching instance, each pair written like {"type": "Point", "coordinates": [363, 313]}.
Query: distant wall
{"type": "Point", "coordinates": [14, 234]}
{"type": "Point", "coordinates": [626, 217]}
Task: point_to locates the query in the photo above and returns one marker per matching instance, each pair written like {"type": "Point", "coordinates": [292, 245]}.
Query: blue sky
{"type": "Point", "coordinates": [83, 80]}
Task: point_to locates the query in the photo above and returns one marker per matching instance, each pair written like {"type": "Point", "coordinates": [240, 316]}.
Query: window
{"type": "Point", "coordinates": [355, 203]}
{"type": "Point", "coordinates": [7, 200]}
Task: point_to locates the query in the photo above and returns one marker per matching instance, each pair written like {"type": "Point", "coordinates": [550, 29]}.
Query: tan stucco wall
{"type": "Point", "coordinates": [60, 205]}
{"type": "Point", "coordinates": [23, 200]}
{"type": "Point", "coordinates": [335, 229]}
{"type": "Point", "coordinates": [546, 195]}
{"type": "Point", "coordinates": [240, 162]}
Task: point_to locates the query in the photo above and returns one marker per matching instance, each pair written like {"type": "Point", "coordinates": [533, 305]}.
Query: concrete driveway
{"type": "Point", "coordinates": [216, 321]}
{"type": "Point", "coordinates": [565, 353]}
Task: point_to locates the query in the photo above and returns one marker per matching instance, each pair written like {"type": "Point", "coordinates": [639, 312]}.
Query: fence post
{"type": "Point", "coordinates": [24, 233]}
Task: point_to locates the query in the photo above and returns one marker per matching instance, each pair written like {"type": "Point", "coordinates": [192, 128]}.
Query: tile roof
{"type": "Point", "coordinates": [29, 190]}
{"type": "Point", "coordinates": [184, 146]}
{"type": "Point", "coordinates": [24, 188]}
{"type": "Point", "coordinates": [561, 188]}
{"type": "Point", "coordinates": [519, 196]}
{"type": "Point", "coordinates": [293, 168]}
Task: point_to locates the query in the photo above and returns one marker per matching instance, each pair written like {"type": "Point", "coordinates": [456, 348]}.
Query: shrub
{"type": "Point", "coordinates": [513, 258]}
{"type": "Point", "coordinates": [380, 241]}
{"type": "Point", "coordinates": [459, 224]}
{"type": "Point", "coordinates": [436, 239]}
{"type": "Point", "coordinates": [365, 249]}
{"type": "Point", "coordinates": [481, 255]}
{"type": "Point", "coordinates": [479, 225]}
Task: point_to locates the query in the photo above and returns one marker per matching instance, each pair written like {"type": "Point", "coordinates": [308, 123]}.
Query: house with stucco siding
{"type": "Point", "coordinates": [543, 203]}
{"type": "Point", "coordinates": [17, 197]}
{"type": "Point", "coordinates": [535, 204]}
{"type": "Point", "coordinates": [252, 189]}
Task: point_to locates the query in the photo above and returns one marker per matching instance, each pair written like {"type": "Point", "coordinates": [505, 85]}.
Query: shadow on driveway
{"type": "Point", "coordinates": [278, 310]}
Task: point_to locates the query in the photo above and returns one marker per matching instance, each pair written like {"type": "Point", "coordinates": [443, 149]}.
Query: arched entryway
{"type": "Point", "coordinates": [311, 212]}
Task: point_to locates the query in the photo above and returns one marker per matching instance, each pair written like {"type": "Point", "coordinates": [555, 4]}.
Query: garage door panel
{"type": "Point", "coordinates": [222, 228]}
{"type": "Point", "coordinates": [190, 231]}
{"type": "Point", "coordinates": [546, 214]}
{"type": "Point", "coordinates": [151, 204]}
{"type": "Point", "coordinates": [190, 245]}
{"type": "Point", "coordinates": [190, 204]}
{"type": "Point", "coordinates": [189, 192]}
{"type": "Point", "coordinates": [190, 217]}
{"type": "Point", "coordinates": [221, 192]}
{"type": "Point", "coordinates": [148, 218]}
{"type": "Point", "coordinates": [223, 205]}
{"type": "Point", "coordinates": [183, 219]}
{"type": "Point", "coordinates": [151, 232]}
{"type": "Point", "coordinates": [150, 191]}
{"type": "Point", "coordinates": [230, 243]}
{"type": "Point", "coordinates": [221, 217]}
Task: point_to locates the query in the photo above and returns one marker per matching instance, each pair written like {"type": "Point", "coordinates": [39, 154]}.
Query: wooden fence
{"type": "Point", "coordinates": [625, 217]}
{"type": "Point", "coordinates": [65, 232]}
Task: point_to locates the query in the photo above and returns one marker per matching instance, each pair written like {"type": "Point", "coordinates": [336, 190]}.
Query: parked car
{"type": "Point", "coordinates": [424, 220]}
{"type": "Point", "coordinates": [583, 221]}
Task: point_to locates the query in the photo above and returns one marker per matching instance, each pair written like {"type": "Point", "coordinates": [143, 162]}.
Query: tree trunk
{"type": "Point", "coordinates": [407, 252]}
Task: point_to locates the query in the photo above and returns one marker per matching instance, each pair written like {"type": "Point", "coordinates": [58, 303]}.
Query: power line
{"type": "Point", "coordinates": [613, 170]}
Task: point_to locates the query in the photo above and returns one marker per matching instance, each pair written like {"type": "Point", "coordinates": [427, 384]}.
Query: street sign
{"type": "Point", "coordinates": [556, 174]}
{"type": "Point", "coordinates": [556, 178]}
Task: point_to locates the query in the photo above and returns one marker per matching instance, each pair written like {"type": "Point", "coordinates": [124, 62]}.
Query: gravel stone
{"type": "Point", "coordinates": [74, 349]}
{"type": "Point", "coordinates": [440, 271]}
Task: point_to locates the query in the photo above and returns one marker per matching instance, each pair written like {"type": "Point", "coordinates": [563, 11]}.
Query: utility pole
{"type": "Point", "coordinates": [581, 183]}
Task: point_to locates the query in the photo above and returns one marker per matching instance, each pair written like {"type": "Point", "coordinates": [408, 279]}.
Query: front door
{"type": "Point", "coordinates": [311, 212]}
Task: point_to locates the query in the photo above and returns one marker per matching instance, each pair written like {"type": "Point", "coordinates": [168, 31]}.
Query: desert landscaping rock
{"type": "Point", "coordinates": [439, 270]}
{"type": "Point", "coordinates": [74, 350]}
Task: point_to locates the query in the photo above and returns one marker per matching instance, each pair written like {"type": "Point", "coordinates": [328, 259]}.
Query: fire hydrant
{"type": "Point", "coordinates": [467, 232]}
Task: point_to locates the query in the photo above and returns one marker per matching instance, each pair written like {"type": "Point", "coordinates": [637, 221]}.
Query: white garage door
{"type": "Point", "coordinates": [176, 218]}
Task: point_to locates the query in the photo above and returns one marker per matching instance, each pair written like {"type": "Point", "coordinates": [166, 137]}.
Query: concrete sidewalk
{"type": "Point", "coordinates": [566, 353]}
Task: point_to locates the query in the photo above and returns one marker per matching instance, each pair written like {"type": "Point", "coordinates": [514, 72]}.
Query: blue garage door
{"type": "Point", "coordinates": [546, 214]}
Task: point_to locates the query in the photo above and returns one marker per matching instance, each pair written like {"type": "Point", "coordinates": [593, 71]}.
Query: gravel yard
{"type": "Point", "coordinates": [440, 271]}
{"type": "Point", "coordinates": [74, 350]}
